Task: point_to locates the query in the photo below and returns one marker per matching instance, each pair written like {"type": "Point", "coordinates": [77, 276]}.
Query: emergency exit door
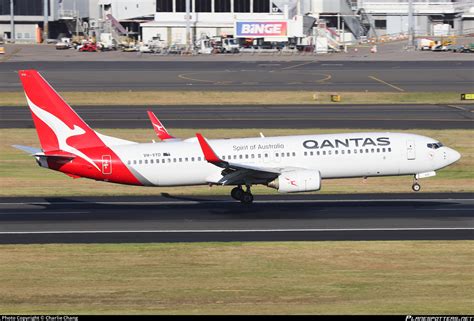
{"type": "Point", "coordinates": [411, 153]}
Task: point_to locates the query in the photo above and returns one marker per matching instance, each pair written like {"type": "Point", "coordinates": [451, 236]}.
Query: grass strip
{"type": "Point", "coordinates": [396, 277]}
{"type": "Point", "coordinates": [130, 98]}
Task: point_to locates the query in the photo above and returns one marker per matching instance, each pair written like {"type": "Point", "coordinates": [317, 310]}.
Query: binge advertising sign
{"type": "Point", "coordinates": [260, 29]}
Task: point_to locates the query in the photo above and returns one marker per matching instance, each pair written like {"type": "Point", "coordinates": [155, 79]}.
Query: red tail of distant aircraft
{"type": "Point", "coordinates": [158, 127]}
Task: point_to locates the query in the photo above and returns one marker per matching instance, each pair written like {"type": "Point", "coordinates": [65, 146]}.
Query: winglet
{"type": "Point", "coordinates": [209, 154]}
{"type": "Point", "coordinates": [160, 130]}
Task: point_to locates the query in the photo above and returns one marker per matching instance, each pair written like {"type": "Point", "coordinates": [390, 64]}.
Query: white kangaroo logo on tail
{"type": "Point", "coordinates": [61, 130]}
{"type": "Point", "coordinates": [160, 128]}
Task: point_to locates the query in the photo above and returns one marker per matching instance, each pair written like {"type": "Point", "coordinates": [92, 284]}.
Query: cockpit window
{"type": "Point", "coordinates": [435, 145]}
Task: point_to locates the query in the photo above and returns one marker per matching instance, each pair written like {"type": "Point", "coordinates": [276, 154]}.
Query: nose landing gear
{"type": "Point", "coordinates": [415, 187]}
{"type": "Point", "coordinates": [239, 194]}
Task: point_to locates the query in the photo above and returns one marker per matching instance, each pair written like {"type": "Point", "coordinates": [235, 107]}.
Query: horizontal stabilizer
{"type": "Point", "coordinates": [28, 149]}
{"type": "Point", "coordinates": [59, 155]}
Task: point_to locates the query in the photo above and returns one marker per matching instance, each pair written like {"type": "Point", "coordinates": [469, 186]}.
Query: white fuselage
{"type": "Point", "coordinates": [333, 155]}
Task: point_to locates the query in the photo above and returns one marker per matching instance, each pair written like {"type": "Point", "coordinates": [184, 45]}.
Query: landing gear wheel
{"type": "Point", "coordinates": [416, 187]}
{"type": "Point", "coordinates": [247, 198]}
{"type": "Point", "coordinates": [237, 193]}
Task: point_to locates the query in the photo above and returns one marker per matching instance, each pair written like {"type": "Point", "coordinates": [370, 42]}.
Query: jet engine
{"type": "Point", "coordinates": [297, 181]}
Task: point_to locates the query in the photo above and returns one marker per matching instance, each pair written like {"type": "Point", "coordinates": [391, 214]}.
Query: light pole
{"type": "Point", "coordinates": [12, 22]}
{"type": "Point", "coordinates": [188, 25]}
{"type": "Point", "coordinates": [411, 30]}
{"type": "Point", "coordinates": [45, 23]}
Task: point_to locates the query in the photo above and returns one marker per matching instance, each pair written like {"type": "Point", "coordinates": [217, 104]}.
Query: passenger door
{"type": "Point", "coordinates": [106, 164]}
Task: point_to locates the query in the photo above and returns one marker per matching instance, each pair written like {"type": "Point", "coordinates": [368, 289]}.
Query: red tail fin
{"type": "Point", "coordinates": [57, 125]}
{"type": "Point", "coordinates": [160, 130]}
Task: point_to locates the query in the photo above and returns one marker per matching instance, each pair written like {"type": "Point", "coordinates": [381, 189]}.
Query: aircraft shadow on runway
{"type": "Point", "coordinates": [197, 208]}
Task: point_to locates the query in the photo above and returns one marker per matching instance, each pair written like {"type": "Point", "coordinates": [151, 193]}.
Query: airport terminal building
{"type": "Point", "coordinates": [369, 18]}
{"type": "Point", "coordinates": [166, 19]}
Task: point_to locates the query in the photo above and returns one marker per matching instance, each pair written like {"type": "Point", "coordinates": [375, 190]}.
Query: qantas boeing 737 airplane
{"type": "Point", "coordinates": [287, 163]}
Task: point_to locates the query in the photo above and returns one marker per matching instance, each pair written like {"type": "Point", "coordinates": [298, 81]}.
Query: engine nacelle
{"type": "Point", "coordinates": [297, 181]}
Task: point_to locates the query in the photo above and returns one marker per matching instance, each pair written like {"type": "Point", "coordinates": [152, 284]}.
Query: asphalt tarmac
{"type": "Point", "coordinates": [220, 219]}
{"type": "Point", "coordinates": [387, 76]}
{"type": "Point", "coordinates": [458, 116]}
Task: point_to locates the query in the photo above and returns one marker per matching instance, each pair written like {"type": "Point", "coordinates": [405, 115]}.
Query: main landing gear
{"type": "Point", "coordinates": [415, 187]}
{"type": "Point", "coordinates": [239, 194]}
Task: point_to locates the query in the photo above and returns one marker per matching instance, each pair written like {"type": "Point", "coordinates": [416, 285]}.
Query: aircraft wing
{"type": "Point", "coordinates": [236, 173]}
{"type": "Point", "coordinates": [159, 129]}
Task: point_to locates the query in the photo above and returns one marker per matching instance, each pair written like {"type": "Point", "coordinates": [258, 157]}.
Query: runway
{"type": "Point", "coordinates": [439, 116]}
{"type": "Point", "coordinates": [218, 219]}
{"type": "Point", "coordinates": [396, 76]}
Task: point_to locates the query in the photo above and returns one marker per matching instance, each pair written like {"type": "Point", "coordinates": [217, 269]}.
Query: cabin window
{"type": "Point", "coordinates": [246, 156]}
{"type": "Point", "coordinates": [223, 157]}
{"type": "Point", "coordinates": [311, 153]}
{"type": "Point", "coordinates": [152, 161]}
{"type": "Point", "coordinates": [288, 154]}
{"type": "Point", "coordinates": [129, 163]}
{"type": "Point", "coordinates": [180, 159]}
{"type": "Point", "coordinates": [324, 152]}
{"type": "Point", "coordinates": [276, 154]}
{"type": "Point", "coordinates": [259, 155]}
{"type": "Point", "coordinates": [336, 152]}
{"type": "Point", "coordinates": [389, 149]}
{"type": "Point", "coordinates": [199, 159]}
{"type": "Point", "coordinates": [282, 154]}
{"type": "Point", "coordinates": [140, 162]}
{"type": "Point", "coordinates": [169, 160]}
{"type": "Point", "coordinates": [294, 154]}
{"type": "Point", "coordinates": [342, 152]}
{"type": "Point", "coordinates": [305, 153]}
{"type": "Point", "coordinates": [383, 150]}
{"type": "Point", "coordinates": [361, 150]}
{"type": "Point", "coordinates": [372, 150]}
{"type": "Point", "coordinates": [348, 151]}
{"type": "Point", "coordinates": [318, 152]}
{"type": "Point", "coordinates": [146, 161]}
{"type": "Point", "coordinates": [186, 159]}
{"type": "Point", "coordinates": [252, 156]}
{"type": "Point", "coordinates": [378, 150]}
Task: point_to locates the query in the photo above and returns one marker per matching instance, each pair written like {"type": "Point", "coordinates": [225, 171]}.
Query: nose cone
{"type": "Point", "coordinates": [454, 156]}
